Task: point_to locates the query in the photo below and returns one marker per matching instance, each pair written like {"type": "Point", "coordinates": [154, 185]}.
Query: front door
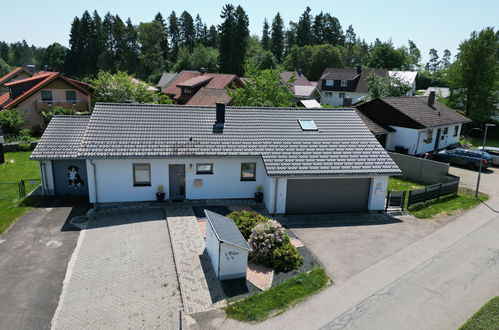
{"type": "Point", "coordinates": [439, 131]}
{"type": "Point", "coordinates": [177, 181]}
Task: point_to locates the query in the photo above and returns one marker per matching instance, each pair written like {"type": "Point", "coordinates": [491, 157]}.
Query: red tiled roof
{"type": "Point", "coordinates": [196, 81]}
{"type": "Point", "coordinates": [4, 98]}
{"type": "Point", "coordinates": [44, 77]}
{"type": "Point", "coordinates": [300, 79]}
{"type": "Point", "coordinates": [210, 96]}
{"type": "Point", "coordinates": [219, 80]}
{"type": "Point", "coordinates": [12, 73]}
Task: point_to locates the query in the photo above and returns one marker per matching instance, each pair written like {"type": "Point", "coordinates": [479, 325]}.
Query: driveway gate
{"type": "Point", "coordinates": [395, 198]}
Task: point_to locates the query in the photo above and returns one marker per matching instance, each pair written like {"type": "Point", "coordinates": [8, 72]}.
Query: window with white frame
{"type": "Point", "coordinates": [141, 175]}
{"type": "Point", "coordinates": [204, 168]}
{"type": "Point", "coordinates": [329, 82]}
{"type": "Point", "coordinates": [344, 83]}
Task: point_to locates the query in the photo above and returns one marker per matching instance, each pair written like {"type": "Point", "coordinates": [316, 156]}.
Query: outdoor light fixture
{"type": "Point", "coordinates": [481, 157]}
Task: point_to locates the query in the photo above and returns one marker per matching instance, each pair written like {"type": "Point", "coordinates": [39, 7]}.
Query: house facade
{"type": "Point", "coordinates": [418, 124]}
{"type": "Point", "coordinates": [18, 73]}
{"type": "Point", "coordinates": [312, 166]}
{"type": "Point", "coordinates": [42, 92]}
{"type": "Point", "coordinates": [344, 87]}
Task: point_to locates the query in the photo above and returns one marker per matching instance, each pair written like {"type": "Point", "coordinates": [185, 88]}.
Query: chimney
{"type": "Point", "coordinates": [299, 72]}
{"type": "Point", "coordinates": [202, 70]}
{"type": "Point", "coordinates": [359, 69]}
{"type": "Point", "coordinates": [220, 114]}
{"type": "Point", "coordinates": [31, 68]}
{"type": "Point", "coordinates": [431, 99]}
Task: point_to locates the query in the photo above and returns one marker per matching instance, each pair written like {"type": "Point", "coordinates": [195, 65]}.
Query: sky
{"type": "Point", "coordinates": [439, 24]}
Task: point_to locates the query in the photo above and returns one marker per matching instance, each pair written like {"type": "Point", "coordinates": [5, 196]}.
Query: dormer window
{"type": "Point", "coordinates": [344, 83]}
{"type": "Point", "coordinates": [329, 82]}
{"type": "Point", "coordinates": [187, 90]}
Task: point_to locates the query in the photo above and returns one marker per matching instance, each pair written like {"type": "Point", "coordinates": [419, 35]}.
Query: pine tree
{"type": "Point", "coordinates": [350, 40]}
{"type": "Point", "coordinates": [331, 31]}
{"type": "Point", "coordinates": [72, 62]}
{"type": "Point", "coordinates": [133, 48]}
{"type": "Point", "coordinates": [433, 63]}
{"type": "Point", "coordinates": [200, 31]}
{"type": "Point", "coordinates": [318, 29]}
{"type": "Point", "coordinates": [212, 37]}
{"type": "Point", "coordinates": [96, 41]}
{"type": "Point", "coordinates": [414, 54]}
{"type": "Point", "coordinates": [226, 38]}
{"type": "Point", "coordinates": [164, 43]}
{"type": "Point", "coordinates": [446, 59]}
{"type": "Point", "coordinates": [151, 55]}
{"type": "Point", "coordinates": [304, 29]}
{"type": "Point", "coordinates": [240, 40]}
{"type": "Point", "coordinates": [277, 37]}
{"type": "Point", "coordinates": [265, 36]}
{"type": "Point", "coordinates": [173, 28]}
{"type": "Point", "coordinates": [84, 31]}
{"type": "Point", "coordinates": [106, 60]}
{"type": "Point", "coordinates": [187, 31]}
{"type": "Point", "coordinates": [290, 37]}
{"type": "Point", "coordinates": [120, 42]}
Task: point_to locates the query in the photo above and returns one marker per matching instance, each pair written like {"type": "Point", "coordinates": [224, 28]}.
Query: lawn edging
{"type": "Point", "coordinates": [486, 318]}
{"type": "Point", "coordinates": [276, 300]}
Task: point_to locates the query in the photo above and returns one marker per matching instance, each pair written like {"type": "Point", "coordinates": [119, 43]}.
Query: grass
{"type": "Point", "coordinates": [486, 318]}
{"type": "Point", "coordinates": [17, 166]}
{"type": "Point", "coordinates": [259, 307]}
{"type": "Point", "coordinates": [401, 184]}
{"type": "Point", "coordinates": [447, 205]}
{"type": "Point", "coordinates": [492, 141]}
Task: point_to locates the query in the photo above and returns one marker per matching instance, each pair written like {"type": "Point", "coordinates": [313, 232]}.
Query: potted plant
{"type": "Point", "coordinates": [259, 194]}
{"type": "Point", "coordinates": [160, 195]}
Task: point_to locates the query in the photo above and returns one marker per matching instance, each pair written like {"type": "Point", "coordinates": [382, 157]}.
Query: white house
{"type": "Point", "coordinates": [406, 77]}
{"type": "Point", "coordinates": [307, 160]}
{"type": "Point", "coordinates": [344, 87]}
{"type": "Point", "coordinates": [418, 124]}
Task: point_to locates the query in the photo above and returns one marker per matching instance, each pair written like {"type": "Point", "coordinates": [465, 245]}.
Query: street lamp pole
{"type": "Point", "coordinates": [481, 157]}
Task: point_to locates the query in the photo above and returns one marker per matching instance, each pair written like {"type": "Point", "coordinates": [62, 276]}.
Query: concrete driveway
{"type": "Point", "coordinates": [346, 244]}
{"type": "Point", "coordinates": [489, 182]}
{"type": "Point", "coordinates": [121, 275]}
{"type": "Point", "coordinates": [34, 255]}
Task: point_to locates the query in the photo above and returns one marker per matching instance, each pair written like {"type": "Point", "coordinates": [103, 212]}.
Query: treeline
{"type": "Point", "coordinates": [179, 42]}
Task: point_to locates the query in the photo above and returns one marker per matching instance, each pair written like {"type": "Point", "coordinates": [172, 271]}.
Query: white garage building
{"type": "Point", "coordinates": [306, 160]}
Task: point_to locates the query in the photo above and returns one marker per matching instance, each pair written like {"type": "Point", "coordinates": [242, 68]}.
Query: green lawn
{"type": "Point", "coordinates": [487, 317]}
{"type": "Point", "coordinates": [17, 166]}
{"type": "Point", "coordinates": [447, 205]}
{"type": "Point", "coordinates": [260, 306]}
{"type": "Point", "coordinates": [401, 184]}
{"type": "Point", "coordinates": [492, 141]}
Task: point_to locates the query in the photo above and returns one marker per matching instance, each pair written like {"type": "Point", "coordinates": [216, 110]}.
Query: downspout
{"type": "Point", "coordinates": [275, 195]}
{"type": "Point", "coordinates": [44, 178]}
{"type": "Point", "coordinates": [417, 145]}
{"type": "Point", "coordinates": [95, 180]}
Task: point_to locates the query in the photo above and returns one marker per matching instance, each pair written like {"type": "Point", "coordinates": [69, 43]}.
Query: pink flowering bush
{"type": "Point", "coordinates": [266, 237]}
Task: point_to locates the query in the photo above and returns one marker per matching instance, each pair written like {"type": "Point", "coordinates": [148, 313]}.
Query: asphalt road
{"type": "Point", "coordinates": [33, 259]}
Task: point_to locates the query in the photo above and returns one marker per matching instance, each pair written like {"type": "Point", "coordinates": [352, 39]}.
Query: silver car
{"type": "Point", "coordinates": [494, 152]}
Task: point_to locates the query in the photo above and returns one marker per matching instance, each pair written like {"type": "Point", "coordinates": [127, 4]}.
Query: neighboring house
{"type": "Point", "coordinates": [187, 83]}
{"type": "Point", "coordinates": [45, 91]}
{"type": "Point", "coordinates": [309, 104]}
{"type": "Point", "coordinates": [210, 96]}
{"type": "Point", "coordinates": [443, 92]}
{"type": "Point", "coordinates": [380, 131]}
{"type": "Point", "coordinates": [149, 87]}
{"type": "Point", "coordinates": [165, 79]}
{"type": "Point", "coordinates": [343, 87]}
{"type": "Point", "coordinates": [306, 160]}
{"type": "Point", "coordinates": [420, 124]}
{"type": "Point", "coordinates": [407, 77]}
{"type": "Point", "coordinates": [16, 74]}
{"type": "Point", "coordinates": [301, 87]}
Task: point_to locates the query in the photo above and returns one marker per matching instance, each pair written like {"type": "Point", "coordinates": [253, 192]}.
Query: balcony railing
{"type": "Point", "coordinates": [77, 105]}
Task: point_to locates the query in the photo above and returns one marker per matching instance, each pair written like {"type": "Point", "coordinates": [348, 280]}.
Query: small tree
{"type": "Point", "coordinates": [378, 86]}
{"type": "Point", "coordinates": [264, 88]}
{"type": "Point", "coordinates": [11, 121]}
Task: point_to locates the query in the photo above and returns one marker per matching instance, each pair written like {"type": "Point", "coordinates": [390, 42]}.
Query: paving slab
{"type": "Point", "coordinates": [121, 275]}
{"type": "Point", "coordinates": [201, 290]}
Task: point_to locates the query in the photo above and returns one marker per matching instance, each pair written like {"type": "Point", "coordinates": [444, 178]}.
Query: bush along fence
{"type": "Point", "coordinates": [421, 195]}
{"type": "Point", "coordinates": [12, 190]}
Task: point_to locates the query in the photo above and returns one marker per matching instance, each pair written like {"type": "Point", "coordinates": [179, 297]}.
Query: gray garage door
{"type": "Point", "coordinates": [70, 177]}
{"type": "Point", "coordinates": [327, 195]}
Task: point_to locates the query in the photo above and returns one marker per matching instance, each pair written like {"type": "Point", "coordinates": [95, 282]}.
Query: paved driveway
{"type": "Point", "coordinates": [489, 182]}
{"type": "Point", "coordinates": [347, 244]}
{"type": "Point", "coordinates": [33, 257]}
{"type": "Point", "coordinates": [122, 275]}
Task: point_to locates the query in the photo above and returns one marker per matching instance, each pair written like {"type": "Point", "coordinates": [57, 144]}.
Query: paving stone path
{"type": "Point", "coordinates": [121, 276]}
{"type": "Point", "coordinates": [201, 290]}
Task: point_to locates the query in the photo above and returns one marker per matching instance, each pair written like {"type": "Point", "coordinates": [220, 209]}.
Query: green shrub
{"type": "Point", "coordinates": [264, 238]}
{"type": "Point", "coordinates": [47, 115]}
{"type": "Point", "coordinates": [24, 146]}
{"type": "Point", "coordinates": [246, 220]}
{"type": "Point", "coordinates": [36, 130]}
{"type": "Point", "coordinates": [286, 258]}
{"type": "Point", "coordinates": [11, 120]}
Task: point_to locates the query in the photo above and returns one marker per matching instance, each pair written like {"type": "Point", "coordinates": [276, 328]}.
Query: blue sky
{"type": "Point", "coordinates": [438, 24]}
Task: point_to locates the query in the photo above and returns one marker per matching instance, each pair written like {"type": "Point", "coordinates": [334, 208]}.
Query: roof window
{"type": "Point", "coordinates": [307, 125]}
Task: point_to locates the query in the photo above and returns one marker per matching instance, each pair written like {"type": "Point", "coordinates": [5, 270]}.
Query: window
{"type": "Point", "coordinates": [328, 94]}
{"type": "Point", "coordinates": [429, 136]}
{"type": "Point", "coordinates": [342, 95]}
{"type": "Point", "coordinates": [141, 175]}
{"type": "Point", "coordinates": [248, 171]}
{"type": "Point", "coordinates": [204, 168]}
{"type": "Point", "coordinates": [456, 130]}
{"type": "Point", "coordinates": [187, 90]}
{"type": "Point", "coordinates": [344, 83]}
{"type": "Point", "coordinates": [329, 82]}
{"type": "Point", "coordinates": [307, 125]}
{"type": "Point", "coordinates": [446, 130]}
{"type": "Point", "coordinates": [70, 95]}
{"type": "Point", "coordinates": [46, 95]}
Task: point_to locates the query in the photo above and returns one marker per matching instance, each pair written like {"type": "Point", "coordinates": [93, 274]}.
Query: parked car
{"type": "Point", "coordinates": [465, 157]}
{"type": "Point", "coordinates": [494, 152]}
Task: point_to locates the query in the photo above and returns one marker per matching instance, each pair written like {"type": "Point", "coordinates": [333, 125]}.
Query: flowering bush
{"type": "Point", "coordinates": [264, 238]}
{"type": "Point", "coordinates": [246, 220]}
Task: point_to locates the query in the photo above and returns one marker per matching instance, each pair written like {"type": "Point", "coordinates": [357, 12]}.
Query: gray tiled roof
{"type": "Point", "coordinates": [374, 127]}
{"type": "Point", "coordinates": [62, 138]}
{"type": "Point", "coordinates": [166, 78]}
{"type": "Point", "coordinates": [226, 230]}
{"type": "Point", "coordinates": [342, 146]}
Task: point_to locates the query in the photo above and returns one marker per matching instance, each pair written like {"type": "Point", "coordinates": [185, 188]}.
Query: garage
{"type": "Point", "coordinates": [70, 177]}
{"type": "Point", "coordinates": [327, 195]}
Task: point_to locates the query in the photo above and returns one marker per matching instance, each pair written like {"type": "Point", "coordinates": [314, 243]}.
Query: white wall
{"type": "Point", "coordinates": [212, 246]}
{"type": "Point", "coordinates": [405, 137]}
{"type": "Point", "coordinates": [336, 100]}
{"type": "Point", "coordinates": [115, 179]}
{"type": "Point", "coordinates": [47, 177]}
{"type": "Point", "coordinates": [379, 187]}
{"type": "Point", "coordinates": [233, 262]}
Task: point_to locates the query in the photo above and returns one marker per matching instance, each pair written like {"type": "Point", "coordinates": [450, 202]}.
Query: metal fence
{"type": "Point", "coordinates": [434, 191]}
{"type": "Point", "coordinates": [13, 190]}
{"type": "Point", "coordinates": [395, 198]}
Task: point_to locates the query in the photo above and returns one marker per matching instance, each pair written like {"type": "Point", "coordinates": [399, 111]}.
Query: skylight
{"type": "Point", "coordinates": [307, 125]}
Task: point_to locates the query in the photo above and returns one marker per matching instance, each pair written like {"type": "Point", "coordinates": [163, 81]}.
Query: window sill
{"type": "Point", "coordinates": [142, 185]}
{"type": "Point", "coordinates": [248, 180]}
{"type": "Point", "coordinates": [204, 173]}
